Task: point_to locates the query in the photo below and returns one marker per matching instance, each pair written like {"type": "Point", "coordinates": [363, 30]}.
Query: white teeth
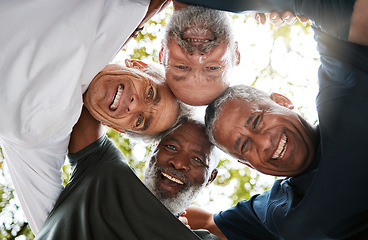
{"type": "Point", "coordinates": [197, 40]}
{"type": "Point", "coordinates": [117, 98]}
{"type": "Point", "coordinates": [281, 149]}
{"type": "Point", "coordinates": [172, 178]}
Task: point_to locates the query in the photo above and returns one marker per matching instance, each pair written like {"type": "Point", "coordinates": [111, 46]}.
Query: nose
{"type": "Point", "coordinates": [262, 140]}
{"type": "Point", "coordinates": [179, 162]}
{"type": "Point", "coordinates": [134, 105]}
{"type": "Point", "coordinates": [198, 56]}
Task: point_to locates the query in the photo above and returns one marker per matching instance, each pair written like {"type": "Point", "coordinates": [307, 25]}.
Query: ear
{"type": "Point", "coordinates": [245, 163]}
{"type": "Point", "coordinates": [237, 54]}
{"type": "Point", "coordinates": [116, 129]}
{"type": "Point", "coordinates": [212, 177]}
{"type": "Point", "coordinates": [160, 54]}
{"type": "Point", "coordinates": [282, 100]}
{"type": "Point", "coordinates": [177, 5]}
{"type": "Point", "coordinates": [132, 63]}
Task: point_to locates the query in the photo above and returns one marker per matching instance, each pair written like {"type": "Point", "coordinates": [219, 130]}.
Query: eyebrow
{"type": "Point", "coordinates": [146, 124]}
{"type": "Point", "coordinates": [157, 96]}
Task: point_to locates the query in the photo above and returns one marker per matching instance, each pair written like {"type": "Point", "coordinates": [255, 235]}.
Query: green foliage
{"type": "Point", "coordinates": [65, 173]}
{"type": "Point", "coordinates": [247, 181]}
{"type": "Point", "coordinates": [284, 32]}
{"type": "Point", "coordinates": [11, 225]}
{"type": "Point", "coordinates": [126, 146]}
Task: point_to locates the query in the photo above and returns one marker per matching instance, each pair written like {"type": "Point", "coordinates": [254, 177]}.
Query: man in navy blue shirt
{"type": "Point", "coordinates": [326, 166]}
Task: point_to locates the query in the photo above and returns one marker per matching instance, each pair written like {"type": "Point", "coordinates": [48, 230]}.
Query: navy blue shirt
{"type": "Point", "coordinates": [329, 200]}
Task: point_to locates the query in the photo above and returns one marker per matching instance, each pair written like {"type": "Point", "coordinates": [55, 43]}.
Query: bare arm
{"type": "Point", "coordinates": [201, 219]}
{"type": "Point", "coordinates": [85, 131]}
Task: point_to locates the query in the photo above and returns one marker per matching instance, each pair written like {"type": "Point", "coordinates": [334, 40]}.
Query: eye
{"type": "Point", "coordinates": [170, 147]}
{"type": "Point", "coordinates": [139, 120]}
{"type": "Point", "coordinates": [196, 161]}
{"type": "Point", "coordinates": [213, 68]}
{"type": "Point", "coordinates": [181, 67]}
{"type": "Point", "coordinates": [150, 93]}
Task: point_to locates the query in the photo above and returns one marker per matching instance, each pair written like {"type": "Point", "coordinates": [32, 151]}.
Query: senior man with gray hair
{"type": "Point", "coordinates": [263, 131]}
{"type": "Point", "coordinates": [198, 52]}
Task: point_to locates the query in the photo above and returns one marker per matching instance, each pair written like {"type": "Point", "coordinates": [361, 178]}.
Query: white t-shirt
{"type": "Point", "coordinates": [50, 51]}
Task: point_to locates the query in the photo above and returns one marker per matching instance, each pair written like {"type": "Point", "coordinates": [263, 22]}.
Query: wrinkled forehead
{"type": "Point", "coordinates": [195, 132]}
{"type": "Point", "coordinates": [122, 71]}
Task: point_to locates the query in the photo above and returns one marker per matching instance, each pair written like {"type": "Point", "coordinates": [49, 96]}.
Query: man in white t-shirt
{"type": "Point", "coordinates": [51, 50]}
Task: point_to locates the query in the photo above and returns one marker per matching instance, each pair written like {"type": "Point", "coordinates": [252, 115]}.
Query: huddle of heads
{"type": "Point", "coordinates": [198, 53]}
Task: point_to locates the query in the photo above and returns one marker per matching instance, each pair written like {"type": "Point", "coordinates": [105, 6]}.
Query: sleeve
{"type": "Point", "coordinates": [36, 176]}
{"type": "Point", "coordinates": [331, 16]}
{"type": "Point", "coordinates": [241, 222]}
{"type": "Point", "coordinates": [133, 212]}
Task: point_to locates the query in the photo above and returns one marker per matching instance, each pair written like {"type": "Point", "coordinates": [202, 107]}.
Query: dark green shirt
{"type": "Point", "coordinates": [104, 199]}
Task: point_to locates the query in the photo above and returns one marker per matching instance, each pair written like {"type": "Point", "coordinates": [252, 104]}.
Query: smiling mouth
{"type": "Point", "coordinates": [281, 149]}
{"type": "Point", "coordinates": [175, 180]}
{"type": "Point", "coordinates": [197, 40]}
{"type": "Point", "coordinates": [115, 101]}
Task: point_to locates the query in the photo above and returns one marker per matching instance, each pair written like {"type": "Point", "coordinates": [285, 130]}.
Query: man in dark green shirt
{"type": "Point", "coordinates": [104, 199]}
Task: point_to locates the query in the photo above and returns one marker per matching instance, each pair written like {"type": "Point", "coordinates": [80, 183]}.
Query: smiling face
{"type": "Point", "coordinates": [198, 53]}
{"type": "Point", "coordinates": [180, 167]}
{"type": "Point", "coordinates": [266, 136]}
{"type": "Point", "coordinates": [127, 99]}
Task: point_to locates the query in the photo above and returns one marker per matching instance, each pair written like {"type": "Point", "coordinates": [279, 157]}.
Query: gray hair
{"type": "Point", "coordinates": [214, 109]}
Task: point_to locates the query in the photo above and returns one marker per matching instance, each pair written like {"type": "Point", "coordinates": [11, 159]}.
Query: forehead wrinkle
{"type": "Point", "coordinates": [178, 78]}
{"type": "Point", "coordinates": [171, 139]}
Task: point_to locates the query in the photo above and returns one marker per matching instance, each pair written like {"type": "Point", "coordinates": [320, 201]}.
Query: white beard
{"type": "Point", "coordinates": [176, 204]}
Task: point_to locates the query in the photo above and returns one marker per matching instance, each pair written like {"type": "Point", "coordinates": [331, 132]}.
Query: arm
{"type": "Point", "coordinates": [85, 131]}
{"type": "Point", "coordinates": [359, 23]}
{"type": "Point", "coordinates": [201, 219]}
{"type": "Point", "coordinates": [331, 16]}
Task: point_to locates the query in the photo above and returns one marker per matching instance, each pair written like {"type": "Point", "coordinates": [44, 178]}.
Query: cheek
{"type": "Point", "coordinates": [199, 176]}
{"type": "Point", "coordinates": [162, 157]}
{"type": "Point", "coordinates": [125, 124]}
